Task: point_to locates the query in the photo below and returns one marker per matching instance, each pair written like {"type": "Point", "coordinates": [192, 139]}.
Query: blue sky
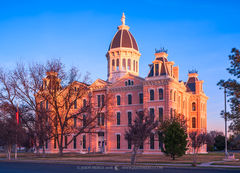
{"type": "Point", "coordinates": [197, 34]}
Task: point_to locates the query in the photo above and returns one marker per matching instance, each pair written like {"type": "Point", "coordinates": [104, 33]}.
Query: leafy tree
{"type": "Point", "coordinates": [233, 90]}
{"type": "Point", "coordinates": [174, 137]}
{"type": "Point", "coordinates": [139, 131]}
{"type": "Point", "coordinates": [211, 139]}
{"type": "Point", "coordinates": [197, 140]}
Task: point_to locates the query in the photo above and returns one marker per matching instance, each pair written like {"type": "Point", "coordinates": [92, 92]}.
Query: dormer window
{"type": "Point", "coordinates": [193, 106]}
{"type": "Point", "coordinates": [129, 82]}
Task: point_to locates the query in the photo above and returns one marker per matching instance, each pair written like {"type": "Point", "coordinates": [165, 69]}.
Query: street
{"type": "Point", "coordinates": [23, 167]}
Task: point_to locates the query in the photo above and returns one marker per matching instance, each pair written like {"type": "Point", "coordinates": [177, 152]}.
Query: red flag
{"type": "Point", "coordinates": [17, 116]}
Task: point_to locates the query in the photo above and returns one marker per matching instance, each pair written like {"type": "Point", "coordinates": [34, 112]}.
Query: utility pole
{"type": "Point", "coordinates": [225, 116]}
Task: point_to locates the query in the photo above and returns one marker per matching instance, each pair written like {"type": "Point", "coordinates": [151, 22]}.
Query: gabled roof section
{"type": "Point", "coordinates": [121, 82]}
{"type": "Point", "coordinates": [99, 83]}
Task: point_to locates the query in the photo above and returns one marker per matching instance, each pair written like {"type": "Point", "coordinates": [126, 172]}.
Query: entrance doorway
{"type": "Point", "coordinates": [101, 144]}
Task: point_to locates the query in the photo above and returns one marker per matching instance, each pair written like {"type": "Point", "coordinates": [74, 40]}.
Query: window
{"type": "Point", "coordinates": [193, 106]}
{"type": "Point", "coordinates": [118, 118]}
{"type": "Point", "coordinates": [151, 94]}
{"type": "Point", "coordinates": [160, 91]}
{"type": "Point", "coordinates": [84, 120]}
{"type": "Point", "coordinates": [117, 64]}
{"type": "Point", "coordinates": [74, 142]}
{"type": "Point", "coordinates": [98, 100]}
{"type": "Point", "coordinates": [100, 118]}
{"type": "Point", "coordinates": [129, 82]}
{"type": "Point", "coordinates": [171, 113]}
{"type": "Point", "coordinates": [84, 102]}
{"type": "Point", "coordinates": [113, 64]}
{"type": "Point", "coordinates": [133, 65]}
{"type": "Point", "coordinates": [75, 104]}
{"type": "Point", "coordinates": [126, 83]}
{"type": "Point", "coordinates": [136, 66]}
{"type": "Point", "coordinates": [129, 64]}
{"type": "Point", "coordinates": [66, 141]}
{"type": "Point", "coordinates": [129, 118]}
{"type": "Point", "coordinates": [84, 141]}
{"type": "Point", "coordinates": [141, 98]}
{"type": "Point", "coordinates": [129, 144]}
{"type": "Point", "coordinates": [160, 141]}
{"type": "Point", "coordinates": [152, 114]}
{"type": "Point", "coordinates": [152, 141]}
{"type": "Point", "coordinates": [141, 146]}
{"type": "Point", "coordinates": [156, 69]}
{"type": "Point", "coordinates": [75, 121]}
{"type": "Point", "coordinates": [118, 141]}
{"type": "Point", "coordinates": [103, 98]}
{"type": "Point", "coordinates": [132, 82]}
{"type": "Point", "coordinates": [129, 99]}
{"type": "Point", "coordinates": [118, 100]}
{"type": "Point", "coordinates": [124, 64]}
{"type": "Point", "coordinates": [161, 114]}
{"type": "Point", "coordinates": [171, 95]}
{"type": "Point", "coordinates": [46, 104]}
{"type": "Point", "coordinates": [193, 122]}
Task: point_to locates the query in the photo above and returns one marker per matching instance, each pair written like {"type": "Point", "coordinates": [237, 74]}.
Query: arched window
{"type": "Point", "coordinates": [124, 64]}
{"type": "Point", "coordinates": [113, 64]}
{"type": "Point", "coordinates": [129, 64]}
{"type": "Point", "coordinates": [151, 94]}
{"type": "Point", "coordinates": [160, 94]}
{"type": "Point", "coordinates": [193, 122]}
{"type": "Point", "coordinates": [117, 64]}
{"type": "Point", "coordinates": [193, 106]}
{"type": "Point", "coordinates": [133, 65]}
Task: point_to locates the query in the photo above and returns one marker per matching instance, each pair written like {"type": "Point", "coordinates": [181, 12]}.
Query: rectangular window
{"type": "Point", "coordinates": [193, 122]}
{"type": "Point", "coordinates": [171, 113]}
{"type": "Point", "coordinates": [84, 141]}
{"type": "Point", "coordinates": [118, 100]}
{"type": "Point", "coordinates": [129, 144]}
{"type": "Point", "coordinates": [151, 95]}
{"type": "Point", "coordinates": [129, 99]}
{"type": "Point", "coordinates": [152, 141]}
{"type": "Point", "coordinates": [66, 141]}
{"type": "Point", "coordinates": [103, 102]}
{"type": "Point", "coordinates": [84, 120]}
{"type": "Point", "coordinates": [129, 118]}
{"type": "Point", "coordinates": [98, 100]}
{"type": "Point", "coordinates": [152, 114]}
{"type": "Point", "coordinates": [75, 104]}
{"type": "Point", "coordinates": [160, 141]}
{"type": "Point", "coordinates": [160, 92]}
{"type": "Point", "coordinates": [161, 114]}
{"type": "Point", "coordinates": [75, 121]}
{"type": "Point", "coordinates": [99, 119]}
{"type": "Point", "coordinates": [118, 118]}
{"type": "Point", "coordinates": [156, 69]}
{"type": "Point", "coordinates": [118, 141]}
{"type": "Point", "coordinates": [74, 142]}
{"type": "Point", "coordinates": [141, 98]}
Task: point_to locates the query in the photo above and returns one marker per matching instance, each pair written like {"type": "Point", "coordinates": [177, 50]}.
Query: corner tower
{"type": "Point", "coordinates": [123, 54]}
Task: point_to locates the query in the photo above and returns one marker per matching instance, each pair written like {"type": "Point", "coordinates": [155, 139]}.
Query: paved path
{"type": "Point", "coordinates": [24, 167]}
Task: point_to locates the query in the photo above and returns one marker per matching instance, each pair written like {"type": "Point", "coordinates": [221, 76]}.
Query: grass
{"type": "Point", "coordinates": [125, 158]}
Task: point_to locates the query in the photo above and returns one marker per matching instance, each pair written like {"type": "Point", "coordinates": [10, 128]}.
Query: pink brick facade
{"type": "Point", "coordinates": [160, 92]}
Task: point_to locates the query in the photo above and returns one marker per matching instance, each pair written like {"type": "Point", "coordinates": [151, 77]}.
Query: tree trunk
{"type": "Point", "coordinates": [60, 151]}
{"type": "Point", "coordinates": [9, 148]}
{"type": "Point", "coordinates": [43, 149]}
{"type": "Point", "coordinates": [194, 157]}
{"type": "Point", "coordinates": [133, 157]}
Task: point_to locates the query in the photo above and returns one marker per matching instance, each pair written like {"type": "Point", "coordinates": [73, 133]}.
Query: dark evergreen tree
{"type": "Point", "coordinates": [232, 86]}
{"type": "Point", "coordinates": [174, 137]}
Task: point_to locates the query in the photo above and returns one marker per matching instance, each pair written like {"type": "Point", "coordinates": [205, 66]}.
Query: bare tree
{"type": "Point", "coordinates": [139, 131]}
{"type": "Point", "coordinates": [197, 140]}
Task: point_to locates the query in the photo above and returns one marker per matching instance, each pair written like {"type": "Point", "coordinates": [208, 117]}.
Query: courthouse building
{"type": "Point", "coordinates": [160, 92]}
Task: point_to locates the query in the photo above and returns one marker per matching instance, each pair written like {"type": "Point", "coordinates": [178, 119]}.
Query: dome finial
{"type": "Point", "coordinates": [123, 19]}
